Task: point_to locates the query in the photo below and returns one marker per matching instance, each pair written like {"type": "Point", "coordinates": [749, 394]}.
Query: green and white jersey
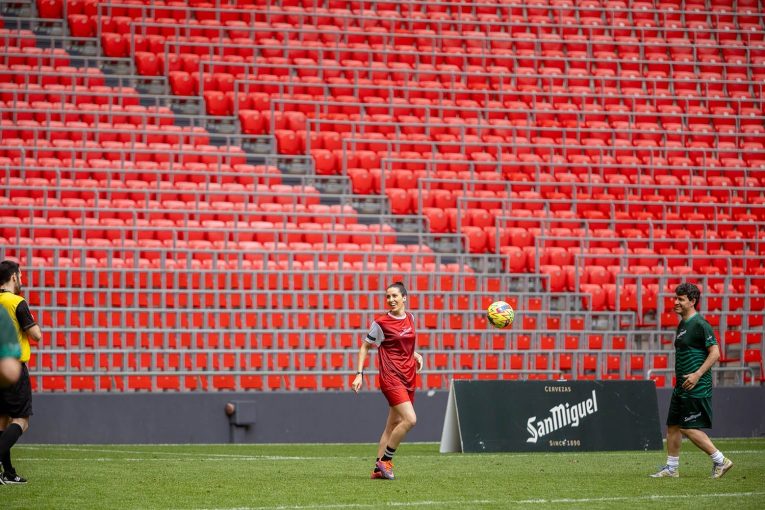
{"type": "Point", "coordinates": [692, 339]}
{"type": "Point", "coordinates": [9, 342]}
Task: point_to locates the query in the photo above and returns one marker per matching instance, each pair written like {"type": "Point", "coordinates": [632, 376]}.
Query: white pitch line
{"type": "Point", "coordinates": [642, 498]}
{"type": "Point", "coordinates": [243, 457]}
{"type": "Point", "coordinates": [252, 458]}
{"type": "Point", "coordinates": [226, 456]}
{"type": "Point", "coordinates": [392, 504]}
{"type": "Point", "coordinates": [163, 459]}
{"type": "Point", "coordinates": [408, 504]}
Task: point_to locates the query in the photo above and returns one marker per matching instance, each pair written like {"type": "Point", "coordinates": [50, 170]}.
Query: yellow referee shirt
{"type": "Point", "coordinates": [11, 302]}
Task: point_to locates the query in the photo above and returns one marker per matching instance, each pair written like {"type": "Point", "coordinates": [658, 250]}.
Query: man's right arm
{"type": "Point", "coordinates": [27, 323]}
{"type": "Point", "coordinates": [34, 334]}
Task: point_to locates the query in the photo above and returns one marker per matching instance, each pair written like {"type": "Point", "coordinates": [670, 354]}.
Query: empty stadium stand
{"type": "Point", "coordinates": [212, 195]}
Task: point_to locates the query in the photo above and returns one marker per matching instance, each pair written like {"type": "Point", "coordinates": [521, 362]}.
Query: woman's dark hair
{"type": "Point", "coordinates": [399, 286]}
{"type": "Point", "coordinates": [691, 291]}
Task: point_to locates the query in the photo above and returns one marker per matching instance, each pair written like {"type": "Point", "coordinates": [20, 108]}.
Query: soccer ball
{"type": "Point", "coordinates": [500, 314]}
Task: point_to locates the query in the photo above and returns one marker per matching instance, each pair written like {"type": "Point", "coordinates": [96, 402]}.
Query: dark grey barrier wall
{"type": "Point", "coordinates": [201, 418]}
{"type": "Point", "coordinates": [292, 417]}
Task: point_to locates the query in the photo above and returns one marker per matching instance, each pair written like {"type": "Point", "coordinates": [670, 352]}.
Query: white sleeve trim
{"type": "Point", "coordinates": [375, 335]}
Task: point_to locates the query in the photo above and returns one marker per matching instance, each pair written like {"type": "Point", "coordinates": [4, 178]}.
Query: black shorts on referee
{"type": "Point", "coordinates": [16, 400]}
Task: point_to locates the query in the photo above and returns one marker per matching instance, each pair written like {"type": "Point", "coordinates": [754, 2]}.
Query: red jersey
{"type": "Point", "coordinates": [395, 339]}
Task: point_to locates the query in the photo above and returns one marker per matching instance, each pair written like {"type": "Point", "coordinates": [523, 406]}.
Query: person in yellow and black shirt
{"type": "Point", "coordinates": [15, 400]}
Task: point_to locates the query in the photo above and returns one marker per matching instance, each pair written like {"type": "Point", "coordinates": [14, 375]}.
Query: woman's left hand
{"type": "Point", "coordinates": [419, 360]}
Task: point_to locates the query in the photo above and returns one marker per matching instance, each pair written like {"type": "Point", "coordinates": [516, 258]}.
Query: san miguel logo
{"type": "Point", "coordinates": [562, 415]}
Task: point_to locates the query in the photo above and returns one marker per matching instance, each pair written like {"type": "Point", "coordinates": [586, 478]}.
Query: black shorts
{"type": "Point", "coordinates": [16, 400]}
{"type": "Point", "coordinates": [690, 413]}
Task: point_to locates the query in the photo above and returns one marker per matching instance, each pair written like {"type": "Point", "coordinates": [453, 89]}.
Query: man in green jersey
{"type": "Point", "coordinates": [10, 351]}
{"type": "Point", "coordinates": [690, 408]}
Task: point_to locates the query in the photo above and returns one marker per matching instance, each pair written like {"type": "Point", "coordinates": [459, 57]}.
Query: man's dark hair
{"type": "Point", "coordinates": [690, 291]}
{"type": "Point", "coordinates": [8, 268]}
{"type": "Point", "coordinates": [399, 286]}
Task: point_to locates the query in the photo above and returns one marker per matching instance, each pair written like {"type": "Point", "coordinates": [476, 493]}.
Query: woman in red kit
{"type": "Point", "coordinates": [393, 334]}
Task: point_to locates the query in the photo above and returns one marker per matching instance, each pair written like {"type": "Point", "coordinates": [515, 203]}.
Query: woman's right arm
{"type": "Point", "coordinates": [359, 379]}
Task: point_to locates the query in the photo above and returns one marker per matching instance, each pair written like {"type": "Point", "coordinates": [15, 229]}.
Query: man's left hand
{"type": "Point", "coordinates": [690, 381]}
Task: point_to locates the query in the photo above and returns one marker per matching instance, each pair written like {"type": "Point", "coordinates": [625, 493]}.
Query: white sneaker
{"type": "Point", "coordinates": [666, 472]}
{"type": "Point", "coordinates": [720, 469]}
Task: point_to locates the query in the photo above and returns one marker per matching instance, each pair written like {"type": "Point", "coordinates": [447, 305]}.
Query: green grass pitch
{"type": "Point", "coordinates": [332, 476]}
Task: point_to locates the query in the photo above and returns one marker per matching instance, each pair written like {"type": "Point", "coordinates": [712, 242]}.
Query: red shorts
{"type": "Point", "coordinates": [398, 395]}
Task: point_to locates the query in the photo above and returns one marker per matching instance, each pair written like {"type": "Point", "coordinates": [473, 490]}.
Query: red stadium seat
{"type": "Point", "coordinates": [181, 83]}
{"type": "Point", "coordinates": [216, 103]}
{"type": "Point", "coordinates": [147, 63]}
{"type": "Point", "coordinates": [753, 359]}
{"type": "Point", "coordinates": [114, 45]}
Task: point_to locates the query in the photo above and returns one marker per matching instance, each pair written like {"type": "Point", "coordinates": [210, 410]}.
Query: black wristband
{"type": "Point", "coordinates": [360, 373]}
